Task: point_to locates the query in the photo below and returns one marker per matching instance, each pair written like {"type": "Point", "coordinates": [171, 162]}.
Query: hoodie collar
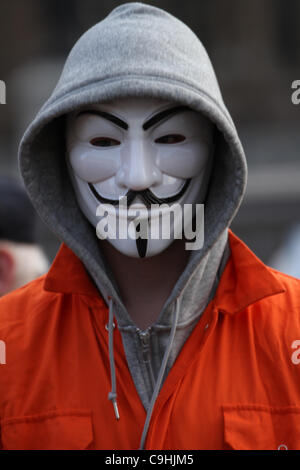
{"type": "Point", "coordinates": [245, 279]}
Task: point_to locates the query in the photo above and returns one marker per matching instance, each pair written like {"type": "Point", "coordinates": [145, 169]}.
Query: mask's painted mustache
{"type": "Point", "coordinates": [146, 195]}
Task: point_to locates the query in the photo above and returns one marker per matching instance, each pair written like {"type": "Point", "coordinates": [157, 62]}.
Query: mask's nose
{"type": "Point", "coordinates": [138, 170]}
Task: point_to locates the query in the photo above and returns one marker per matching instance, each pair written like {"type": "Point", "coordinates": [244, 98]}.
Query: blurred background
{"type": "Point", "coordinates": [255, 50]}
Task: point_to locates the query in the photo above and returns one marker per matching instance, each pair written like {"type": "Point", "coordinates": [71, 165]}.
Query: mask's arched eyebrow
{"type": "Point", "coordinates": [151, 122]}
{"type": "Point", "coordinates": [108, 116]}
{"type": "Point", "coordinates": [164, 114]}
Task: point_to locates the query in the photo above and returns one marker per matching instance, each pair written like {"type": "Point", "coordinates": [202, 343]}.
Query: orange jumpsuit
{"type": "Point", "coordinates": [234, 385]}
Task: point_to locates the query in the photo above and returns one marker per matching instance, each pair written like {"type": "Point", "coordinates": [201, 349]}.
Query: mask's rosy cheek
{"type": "Point", "coordinates": [93, 165]}
{"type": "Point", "coordinates": [185, 161]}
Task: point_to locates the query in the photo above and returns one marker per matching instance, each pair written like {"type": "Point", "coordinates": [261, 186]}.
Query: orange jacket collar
{"type": "Point", "coordinates": [245, 279]}
{"type": "Point", "coordinates": [68, 275]}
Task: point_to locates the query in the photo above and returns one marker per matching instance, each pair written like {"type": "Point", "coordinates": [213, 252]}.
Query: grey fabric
{"type": "Point", "coordinates": [141, 51]}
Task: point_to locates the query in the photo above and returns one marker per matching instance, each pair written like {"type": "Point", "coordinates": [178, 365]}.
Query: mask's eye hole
{"type": "Point", "coordinates": [104, 142]}
{"type": "Point", "coordinates": [170, 139]}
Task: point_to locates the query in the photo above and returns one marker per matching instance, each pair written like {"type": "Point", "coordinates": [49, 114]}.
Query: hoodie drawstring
{"type": "Point", "coordinates": [160, 375]}
{"type": "Point", "coordinates": [112, 396]}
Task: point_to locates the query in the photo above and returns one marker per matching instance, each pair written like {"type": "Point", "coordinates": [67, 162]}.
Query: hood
{"type": "Point", "coordinates": [106, 63]}
{"type": "Point", "coordinates": [136, 51]}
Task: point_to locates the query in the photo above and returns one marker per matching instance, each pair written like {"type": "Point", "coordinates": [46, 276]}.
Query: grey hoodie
{"type": "Point", "coordinates": [140, 51]}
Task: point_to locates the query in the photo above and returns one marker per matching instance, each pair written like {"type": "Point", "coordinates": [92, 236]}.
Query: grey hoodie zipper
{"type": "Point", "coordinates": [144, 337]}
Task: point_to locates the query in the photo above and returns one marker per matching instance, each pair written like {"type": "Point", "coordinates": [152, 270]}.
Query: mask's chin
{"type": "Point", "coordinates": [139, 232]}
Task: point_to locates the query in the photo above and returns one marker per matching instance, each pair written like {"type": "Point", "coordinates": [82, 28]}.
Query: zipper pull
{"type": "Point", "coordinates": [144, 338]}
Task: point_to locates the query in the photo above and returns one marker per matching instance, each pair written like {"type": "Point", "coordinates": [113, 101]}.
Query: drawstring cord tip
{"type": "Point", "coordinates": [116, 410]}
{"type": "Point", "coordinates": [113, 398]}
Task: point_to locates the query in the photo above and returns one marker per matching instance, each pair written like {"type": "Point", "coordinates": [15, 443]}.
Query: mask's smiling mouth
{"type": "Point", "coordinates": [146, 195]}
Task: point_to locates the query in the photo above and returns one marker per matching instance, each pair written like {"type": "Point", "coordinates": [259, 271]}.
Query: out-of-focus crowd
{"type": "Point", "coordinates": [21, 257]}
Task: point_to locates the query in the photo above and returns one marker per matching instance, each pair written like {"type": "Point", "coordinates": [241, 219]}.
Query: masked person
{"type": "Point", "coordinates": [141, 341]}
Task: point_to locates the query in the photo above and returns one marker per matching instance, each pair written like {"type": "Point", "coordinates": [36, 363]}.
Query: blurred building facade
{"type": "Point", "coordinates": [255, 49]}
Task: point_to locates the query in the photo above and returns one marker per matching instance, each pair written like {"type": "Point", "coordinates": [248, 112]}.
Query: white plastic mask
{"type": "Point", "coordinates": [150, 151]}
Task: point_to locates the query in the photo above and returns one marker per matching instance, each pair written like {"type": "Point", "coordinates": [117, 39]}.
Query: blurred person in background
{"type": "Point", "coordinates": [21, 259]}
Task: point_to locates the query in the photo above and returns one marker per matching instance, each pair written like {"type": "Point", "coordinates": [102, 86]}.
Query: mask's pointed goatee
{"type": "Point", "coordinates": [141, 244]}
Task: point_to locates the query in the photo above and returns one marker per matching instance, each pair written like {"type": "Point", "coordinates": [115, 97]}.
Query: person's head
{"type": "Point", "coordinates": [21, 259]}
{"type": "Point", "coordinates": [136, 63]}
{"type": "Point", "coordinates": [153, 152]}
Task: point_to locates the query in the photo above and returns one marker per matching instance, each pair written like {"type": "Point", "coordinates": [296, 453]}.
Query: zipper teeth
{"type": "Point", "coordinates": [144, 336]}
